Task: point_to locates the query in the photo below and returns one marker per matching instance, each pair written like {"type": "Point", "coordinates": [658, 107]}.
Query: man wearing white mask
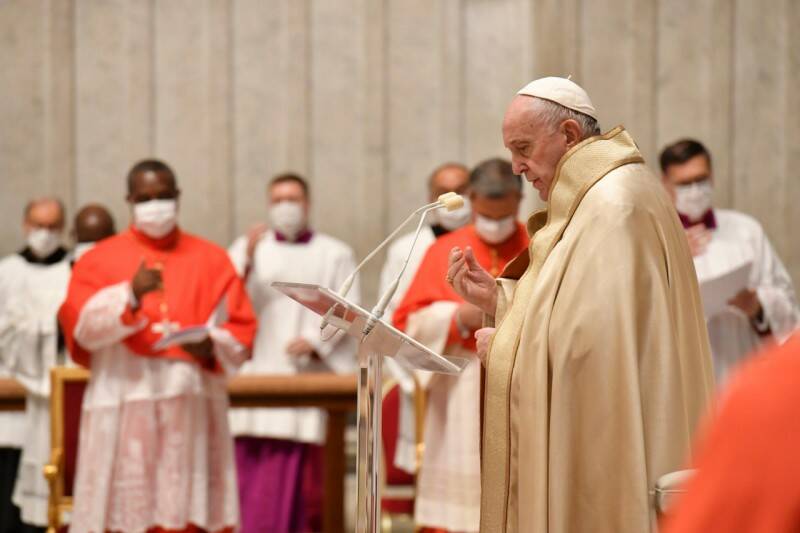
{"type": "Point", "coordinates": [155, 450]}
{"type": "Point", "coordinates": [33, 283]}
{"type": "Point", "coordinates": [448, 487]}
{"type": "Point", "coordinates": [278, 451]}
{"type": "Point", "coordinates": [722, 240]}
{"type": "Point", "coordinates": [449, 177]}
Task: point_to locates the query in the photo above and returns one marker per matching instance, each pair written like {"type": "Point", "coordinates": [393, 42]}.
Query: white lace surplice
{"type": "Point", "coordinates": [155, 449]}
{"type": "Point", "coordinates": [449, 482]}
{"type": "Point", "coordinates": [29, 298]}
{"type": "Point", "coordinates": [405, 456]}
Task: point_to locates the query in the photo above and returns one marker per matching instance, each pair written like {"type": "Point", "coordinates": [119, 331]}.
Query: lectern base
{"type": "Point", "coordinates": [370, 396]}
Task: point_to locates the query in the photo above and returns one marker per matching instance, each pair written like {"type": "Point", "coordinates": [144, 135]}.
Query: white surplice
{"type": "Point", "coordinates": [325, 261]}
{"type": "Point", "coordinates": [405, 456]}
{"type": "Point", "coordinates": [138, 408]}
{"type": "Point", "coordinates": [30, 295]}
{"type": "Point", "coordinates": [739, 239]}
{"type": "Point", "coordinates": [449, 484]}
{"type": "Point", "coordinates": [12, 424]}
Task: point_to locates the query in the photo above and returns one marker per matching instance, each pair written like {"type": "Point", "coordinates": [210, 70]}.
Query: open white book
{"type": "Point", "coordinates": [185, 335]}
{"type": "Point", "coordinates": [718, 290]}
{"type": "Point", "coordinates": [196, 333]}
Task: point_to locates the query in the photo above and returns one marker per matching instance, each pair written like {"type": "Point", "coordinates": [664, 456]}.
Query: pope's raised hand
{"type": "Point", "coordinates": [471, 281]}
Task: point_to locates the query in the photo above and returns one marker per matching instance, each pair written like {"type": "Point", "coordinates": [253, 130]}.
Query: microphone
{"type": "Point", "coordinates": [450, 201]}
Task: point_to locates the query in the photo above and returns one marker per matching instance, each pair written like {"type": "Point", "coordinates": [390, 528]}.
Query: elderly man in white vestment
{"type": "Point", "coordinates": [448, 177]}
{"type": "Point", "coordinates": [722, 240]}
{"type": "Point", "coordinates": [33, 283]}
{"type": "Point", "coordinates": [599, 367]}
{"type": "Point", "coordinates": [278, 452]}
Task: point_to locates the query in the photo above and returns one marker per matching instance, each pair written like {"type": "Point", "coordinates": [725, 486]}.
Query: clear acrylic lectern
{"type": "Point", "coordinates": [382, 340]}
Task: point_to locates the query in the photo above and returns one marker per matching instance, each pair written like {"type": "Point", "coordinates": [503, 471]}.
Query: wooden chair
{"type": "Point", "coordinates": [66, 398]}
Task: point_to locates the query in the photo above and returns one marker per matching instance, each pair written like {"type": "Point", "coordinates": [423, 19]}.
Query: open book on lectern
{"type": "Point", "coordinates": [383, 339]}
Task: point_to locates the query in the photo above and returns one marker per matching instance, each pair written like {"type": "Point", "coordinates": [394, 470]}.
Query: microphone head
{"type": "Point", "coordinates": [451, 201]}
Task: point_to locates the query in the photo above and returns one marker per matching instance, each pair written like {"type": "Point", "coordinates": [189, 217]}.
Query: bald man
{"type": "Point", "coordinates": [93, 223]}
{"type": "Point", "coordinates": [33, 283]}
{"type": "Point", "coordinates": [599, 368]}
{"type": "Point", "coordinates": [447, 177]}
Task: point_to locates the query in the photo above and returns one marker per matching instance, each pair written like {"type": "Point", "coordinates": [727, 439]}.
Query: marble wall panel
{"type": "Point", "coordinates": [260, 109]}
{"type": "Point", "coordinates": [694, 81]}
{"type": "Point", "coordinates": [23, 109]}
{"type": "Point", "coordinates": [191, 109]}
{"type": "Point", "coordinates": [616, 65]}
{"type": "Point", "coordinates": [113, 105]}
{"type": "Point", "coordinates": [762, 119]}
{"type": "Point", "coordinates": [366, 97]}
{"type": "Point", "coordinates": [423, 69]}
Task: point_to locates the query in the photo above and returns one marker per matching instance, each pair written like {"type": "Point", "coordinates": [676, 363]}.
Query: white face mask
{"type": "Point", "coordinates": [495, 231]}
{"type": "Point", "coordinates": [287, 218]}
{"type": "Point", "coordinates": [43, 242]}
{"type": "Point", "coordinates": [81, 248]}
{"type": "Point", "coordinates": [452, 220]}
{"type": "Point", "coordinates": [694, 199]}
{"type": "Point", "coordinates": [155, 218]}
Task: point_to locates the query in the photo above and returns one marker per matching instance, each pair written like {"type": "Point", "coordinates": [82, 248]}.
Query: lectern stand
{"type": "Point", "coordinates": [381, 341]}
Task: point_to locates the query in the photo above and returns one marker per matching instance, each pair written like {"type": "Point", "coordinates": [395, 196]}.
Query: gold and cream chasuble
{"type": "Point", "coordinates": [600, 366]}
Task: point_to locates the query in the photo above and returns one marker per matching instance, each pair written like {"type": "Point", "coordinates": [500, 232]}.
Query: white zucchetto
{"type": "Point", "coordinates": [563, 92]}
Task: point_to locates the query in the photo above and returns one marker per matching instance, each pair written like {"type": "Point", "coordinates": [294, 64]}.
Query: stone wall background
{"type": "Point", "coordinates": [365, 97]}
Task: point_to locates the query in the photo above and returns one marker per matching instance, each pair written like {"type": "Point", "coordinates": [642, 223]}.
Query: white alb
{"type": "Point", "coordinates": [739, 239]}
{"type": "Point", "coordinates": [325, 261]}
{"type": "Point", "coordinates": [30, 295]}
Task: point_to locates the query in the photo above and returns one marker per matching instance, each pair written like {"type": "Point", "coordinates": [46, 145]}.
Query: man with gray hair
{"type": "Point", "coordinates": [448, 487]}
{"type": "Point", "coordinates": [599, 367]}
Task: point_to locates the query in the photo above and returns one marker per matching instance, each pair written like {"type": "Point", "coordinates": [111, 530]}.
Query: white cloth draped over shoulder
{"type": "Point", "coordinates": [325, 261]}
{"type": "Point", "coordinates": [740, 239]}
{"type": "Point", "coordinates": [29, 298]}
{"type": "Point", "coordinates": [405, 456]}
{"type": "Point", "coordinates": [139, 411]}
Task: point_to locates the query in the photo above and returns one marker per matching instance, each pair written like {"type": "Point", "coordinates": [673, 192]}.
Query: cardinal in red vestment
{"type": "Point", "coordinates": [448, 487]}
{"type": "Point", "coordinates": [747, 462]}
{"type": "Point", "coordinates": [158, 315]}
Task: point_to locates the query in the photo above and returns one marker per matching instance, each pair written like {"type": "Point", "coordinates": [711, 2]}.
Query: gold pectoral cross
{"type": "Point", "coordinates": [165, 327]}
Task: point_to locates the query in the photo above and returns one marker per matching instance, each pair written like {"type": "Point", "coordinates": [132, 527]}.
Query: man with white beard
{"type": "Point", "coordinates": [278, 453]}
{"type": "Point", "coordinates": [721, 240]}
{"type": "Point", "coordinates": [448, 177]}
{"type": "Point", "coordinates": [33, 283]}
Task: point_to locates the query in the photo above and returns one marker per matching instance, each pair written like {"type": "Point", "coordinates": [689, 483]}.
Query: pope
{"type": "Point", "coordinates": [599, 367]}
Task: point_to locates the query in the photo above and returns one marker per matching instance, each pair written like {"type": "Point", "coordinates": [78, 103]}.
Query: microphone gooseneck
{"type": "Point", "coordinates": [450, 201]}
